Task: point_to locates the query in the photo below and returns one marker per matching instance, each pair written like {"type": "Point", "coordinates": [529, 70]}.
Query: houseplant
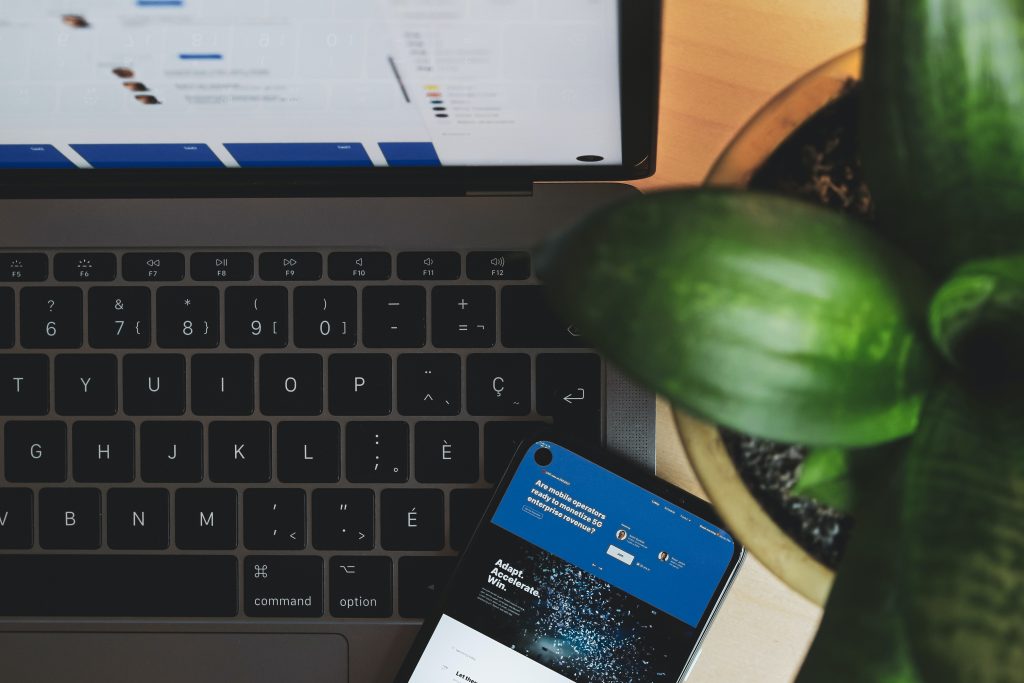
{"type": "Point", "coordinates": [899, 355]}
{"type": "Point", "coordinates": [802, 143]}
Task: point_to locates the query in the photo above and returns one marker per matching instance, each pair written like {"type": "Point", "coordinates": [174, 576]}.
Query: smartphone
{"type": "Point", "coordinates": [582, 569]}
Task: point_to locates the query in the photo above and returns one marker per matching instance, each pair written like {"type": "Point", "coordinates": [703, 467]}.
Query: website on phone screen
{"type": "Point", "coordinates": [580, 575]}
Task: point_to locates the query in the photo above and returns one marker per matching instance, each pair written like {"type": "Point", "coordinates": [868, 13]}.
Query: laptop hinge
{"type": "Point", "coordinates": [526, 191]}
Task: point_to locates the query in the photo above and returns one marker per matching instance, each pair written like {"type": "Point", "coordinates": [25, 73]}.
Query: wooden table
{"type": "Point", "coordinates": [723, 60]}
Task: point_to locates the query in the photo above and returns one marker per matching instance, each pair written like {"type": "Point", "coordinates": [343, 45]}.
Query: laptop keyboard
{"type": "Point", "coordinates": [304, 434]}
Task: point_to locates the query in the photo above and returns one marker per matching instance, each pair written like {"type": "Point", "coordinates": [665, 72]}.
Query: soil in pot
{"type": "Point", "coordinates": [818, 163]}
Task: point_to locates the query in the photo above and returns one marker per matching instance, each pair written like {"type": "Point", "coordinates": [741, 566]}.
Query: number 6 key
{"type": "Point", "coordinates": [51, 318]}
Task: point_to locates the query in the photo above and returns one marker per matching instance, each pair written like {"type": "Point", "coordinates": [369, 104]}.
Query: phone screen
{"type": "Point", "coordinates": [578, 575]}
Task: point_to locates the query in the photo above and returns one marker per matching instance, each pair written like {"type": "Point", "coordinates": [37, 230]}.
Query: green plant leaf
{"type": "Point", "coordinates": [977, 317]}
{"type": "Point", "coordinates": [862, 638]}
{"type": "Point", "coordinates": [943, 130]}
{"type": "Point", "coordinates": [825, 476]}
{"type": "Point", "coordinates": [963, 562]}
{"type": "Point", "coordinates": [763, 314]}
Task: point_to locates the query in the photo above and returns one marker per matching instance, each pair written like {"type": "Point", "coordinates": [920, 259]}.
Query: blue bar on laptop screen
{"type": "Point", "coordinates": [200, 56]}
{"type": "Point", "coordinates": [32, 156]}
{"type": "Point", "coordinates": [299, 154]}
{"type": "Point", "coordinates": [410, 153]}
{"type": "Point", "coordinates": [160, 3]}
{"type": "Point", "coordinates": [617, 531]}
{"type": "Point", "coordinates": [149, 156]}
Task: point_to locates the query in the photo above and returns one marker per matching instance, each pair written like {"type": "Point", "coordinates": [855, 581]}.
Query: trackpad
{"type": "Point", "coordinates": [173, 657]}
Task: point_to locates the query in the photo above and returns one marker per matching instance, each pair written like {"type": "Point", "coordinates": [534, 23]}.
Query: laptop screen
{"type": "Point", "coordinates": [163, 84]}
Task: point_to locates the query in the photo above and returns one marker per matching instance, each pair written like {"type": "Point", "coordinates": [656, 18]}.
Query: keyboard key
{"type": "Point", "coordinates": [82, 267]}
{"type": "Point", "coordinates": [394, 317]}
{"type": "Point", "coordinates": [240, 452]}
{"type": "Point", "coordinates": [138, 519]}
{"type": "Point", "coordinates": [223, 384]}
{"type": "Point", "coordinates": [360, 384]}
{"type": "Point", "coordinates": [569, 389]}
{"type": "Point", "coordinates": [429, 265]}
{"type": "Point", "coordinates": [498, 384]}
{"type": "Point", "coordinates": [377, 452]}
{"type": "Point", "coordinates": [222, 266]}
{"type": "Point", "coordinates": [291, 384]}
{"type": "Point", "coordinates": [35, 452]}
{"type": "Point", "coordinates": [421, 580]}
{"type": "Point", "coordinates": [502, 440]}
{"type": "Point", "coordinates": [24, 385]}
{"type": "Point", "coordinates": [86, 384]}
{"type": "Point", "coordinates": [69, 519]}
{"type": "Point", "coordinates": [498, 265]}
{"type": "Point", "coordinates": [119, 586]}
{"type": "Point", "coordinates": [153, 267]}
{"type": "Point", "coordinates": [359, 265]}
{"type": "Point", "coordinates": [412, 519]}
{"type": "Point", "coordinates": [527, 322]}
{"type": "Point", "coordinates": [284, 586]}
{"type": "Point", "coordinates": [447, 452]}
{"type": "Point", "coordinates": [429, 384]}
{"type": "Point", "coordinates": [325, 317]}
{"type": "Point", "coordinates": [172, 452]}
{"type": "Point", "coordinates": [6, 318]}
{"type": "Point", "coordinates": [343, 519]}
{"type": "Point", "coordinates": [463, 317]}
{"type": "Point", "coordinates": [275, 519]}
{"type": "Point", "coordinates": [206, 519]}
{"type": "Point", "coordinates": [187, 317]}
{"type": "Point", "coordinates": [24, 267]}
{"type": "Point", "coordinates": [360, 587]}
{"type": "Point", "coordinates": [256, 317]}
{"type": "Point", "coordinates": [154, 384]}
{"type": "Point", "coordinates": [309, 452]}
{"type": "Point", "coordinates": [51, 318]}
{"type": "Point", "coordinates": [15, 519]}
{"type": "Point", "coordinates": [468, 507]}
{"type": "Point", "coordinates": [284, 266]}
{"type": "Point", "coordinates": [119, 317]}
{"type": "Point", "coordinates": [103, 451]}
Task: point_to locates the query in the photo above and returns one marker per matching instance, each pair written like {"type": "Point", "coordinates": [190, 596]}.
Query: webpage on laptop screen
{"type": "Point", "coordinates": [580, 576]}
{"type": "Point", "coordinates": [308, 83]}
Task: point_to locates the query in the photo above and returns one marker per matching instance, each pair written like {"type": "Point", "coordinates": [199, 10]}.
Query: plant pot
{"type": "Point", "coordinates": [714, 467]}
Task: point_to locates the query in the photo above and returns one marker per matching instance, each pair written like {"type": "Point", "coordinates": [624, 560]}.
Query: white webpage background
{"type": "Point", "coordinates": [523, 81]}
{"type": "Point", "coordinates": [457, 653]}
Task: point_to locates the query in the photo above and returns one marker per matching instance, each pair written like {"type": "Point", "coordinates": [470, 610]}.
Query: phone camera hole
{"type": "Point", "coordinates": [543, 457]}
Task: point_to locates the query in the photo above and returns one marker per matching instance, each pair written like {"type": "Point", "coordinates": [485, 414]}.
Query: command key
{"type": "Point", "coordinates": [284, 586]}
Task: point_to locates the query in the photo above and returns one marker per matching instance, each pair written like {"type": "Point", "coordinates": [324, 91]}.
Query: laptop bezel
{"type": "Point", "coordinates": [640, 53]}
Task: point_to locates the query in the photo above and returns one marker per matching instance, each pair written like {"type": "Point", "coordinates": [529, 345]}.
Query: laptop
{"type": "Point", "coordinates": [270, 327]}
